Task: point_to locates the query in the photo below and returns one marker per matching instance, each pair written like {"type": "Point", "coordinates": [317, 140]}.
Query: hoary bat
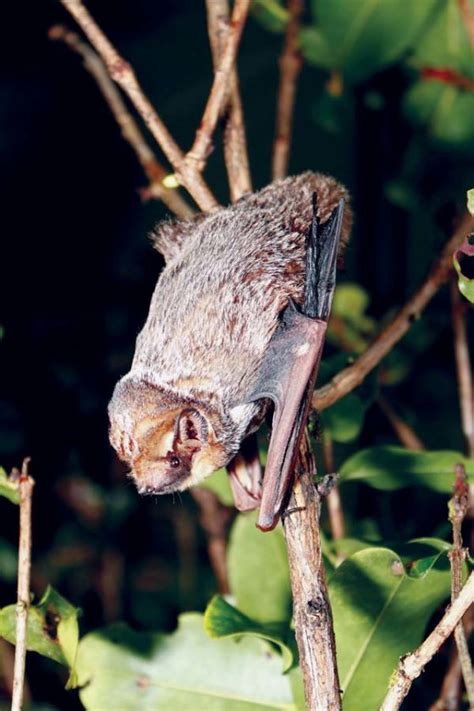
{"type": "Point", "coordinates": [236, 322]}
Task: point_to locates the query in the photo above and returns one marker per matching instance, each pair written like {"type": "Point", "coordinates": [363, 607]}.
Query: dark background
{"type": "Point", "coordinates": [77, 272]}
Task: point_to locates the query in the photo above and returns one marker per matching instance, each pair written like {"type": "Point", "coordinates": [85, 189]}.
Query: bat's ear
{"type": "Point", "coordinates": [191, 427]}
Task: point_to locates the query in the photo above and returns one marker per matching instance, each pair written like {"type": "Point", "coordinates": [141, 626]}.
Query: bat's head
{"type": "Point", "coordinates": [169, 443]}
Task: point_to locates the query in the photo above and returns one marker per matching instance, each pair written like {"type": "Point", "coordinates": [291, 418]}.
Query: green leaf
{"type": "Point", "coordinates": [119, 668]}
{"type": "Point", "coordinates": [344, 420]}
{"type": "Point", "coordinates": [315, 49]}
{"type": "Point", "coordinates": [272, 14]}
{"type": "Point", "coordinates": [223, 620]}
{"type": "Point", "coordinates": [350, 300]}
{"type": "Point", "coordinates": [445, 43]}
{"type": "Point", "coordinates": [366, 35]}
{"type": "Point", "coordinates": [258, 571]}
{"type": "Point", "coordinates": [218, 483]}
{"type": "Point", "coordinates": [350, 327]}
{"type": "Point", "coordinates": [445, 111]}
{"type": "Point", "coordinates": [470, 200]}
{"type": "Point", "coordinates": [8, 561]}
{"type": "Point", "coordinates": [391, 467]}
{"type": "Point", "coordinates": [8, 488]}
{"type": "Point", "coordinates": [380, 613]}
{"type": "Point", "coordinates": [463, 260]}
{"type": "Point", "coordinates": [53, 629]}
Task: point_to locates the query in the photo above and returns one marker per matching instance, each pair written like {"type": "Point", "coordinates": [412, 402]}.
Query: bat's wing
{"type": "Point", "coordinates": [290, 366]}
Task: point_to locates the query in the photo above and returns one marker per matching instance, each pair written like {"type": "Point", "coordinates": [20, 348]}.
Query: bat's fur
{"type": "Point", "coordinates": [215, 308]}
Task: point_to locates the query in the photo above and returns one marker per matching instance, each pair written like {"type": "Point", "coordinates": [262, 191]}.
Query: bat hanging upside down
{"type": "Point", "coordinates": [236, 323]}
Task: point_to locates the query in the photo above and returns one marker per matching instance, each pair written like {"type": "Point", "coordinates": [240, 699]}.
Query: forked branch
{"type": "Point", "coordinates": [235, 141]}
{"type": "Point", "coordinates": [196, 158]}
{"type": "Point", "coordinates": [123, 74]}
{"type": "Point", "coordinates": [154, 171]}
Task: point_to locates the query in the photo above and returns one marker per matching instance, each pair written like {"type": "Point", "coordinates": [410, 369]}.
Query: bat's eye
{"type": "Point", "coordinates": [174, 461]}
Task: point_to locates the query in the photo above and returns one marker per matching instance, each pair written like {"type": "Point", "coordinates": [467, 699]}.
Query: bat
{"type": "Point", "coordinates": [236, 326]}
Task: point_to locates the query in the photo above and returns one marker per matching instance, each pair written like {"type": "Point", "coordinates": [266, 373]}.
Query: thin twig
{"type": "Point", "coordinates": [352, 376]}
{"type": "Point", "coordinates": [411, 666]}
{"type": "Point", "coordinates": [463, 367]}
{"type": "Point", "coordinates": [235, 141]}
{"type": "Point", "coordinates": [467, 13]}
{"type": "Point", "coordinates": [196, 157]}
{"type": "Point", "coordinates": [402, 429]}
{"type": "Point", "coordinates": [25, 487]}
{"type": "Point", "coordinates": [215, 519]}
{"type": "Point", "coordinates": [122, 73]}
{"type": "Point", "coordinates": [458, 508]}
{"type": "Point", "coordinates": [333, 499]}
{"type": "Point", "coordinates": [291, 62]}
{"type": "Point", "coordinates": [154, 171]}
{"type": "Point", "coordinates": [311, 608]}
{"type": "Point", "coordinates": [7, 665]}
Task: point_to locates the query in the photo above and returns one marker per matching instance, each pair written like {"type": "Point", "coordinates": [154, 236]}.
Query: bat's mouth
{"type": "Point", "coordinates": [153, 480]}
{"type": "Point", "coordinates": [152, 490]}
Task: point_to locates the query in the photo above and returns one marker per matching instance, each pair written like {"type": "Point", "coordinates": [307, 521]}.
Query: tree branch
{"type": "Point", "coordinates": [353, 375]}
{"type": "Point", "coordinates": [25, 487]}
{"type": "Point", "coordinates": [122, 73]}
{"type": "Point", "coordinates": [402, 429]}
{"type": "Point", "coordinates": [154, 171]}
{"type": "Point", "coordinates": [458, 507]}
{"type": "Point", "coordinates": [311, 608]}
{"type": "Point", "coordinates": [291, 62]}
{"type": "Point", "coordinates": [196, 157]}
{"type": "Point", "coordinates": [412, 665]}
{"type": "Point", "coordinates": [235, 141]}
{"type": "Point", "coordinates": [463, 368]}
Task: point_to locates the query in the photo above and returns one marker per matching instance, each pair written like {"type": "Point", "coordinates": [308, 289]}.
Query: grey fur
{"type": "Point", "coordinates": [215, 308]}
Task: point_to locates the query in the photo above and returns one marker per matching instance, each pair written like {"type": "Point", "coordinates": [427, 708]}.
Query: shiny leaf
{"type": "Point", "coordinates": [366, 35]}
{"type": "Point", "coordinates": [463, 260]}
{"type": "Point", "coordinates": [391, 467]}
{"type": "Point", "coordinates": [258, 571]}
{"type": "Point", "coordinates": [122, 669]}
{"type": "Point", "coordinates": [222, 620]}
{"type": "Point", "coordinates": [53, 629]}
{"type": "Point", "coordinates": [445, 43]}
{"type": "Point", "coordinates": [380, 613]}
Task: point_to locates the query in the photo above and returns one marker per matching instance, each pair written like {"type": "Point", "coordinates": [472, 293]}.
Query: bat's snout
{"type": "Point", "coordinates": [164, 477]}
